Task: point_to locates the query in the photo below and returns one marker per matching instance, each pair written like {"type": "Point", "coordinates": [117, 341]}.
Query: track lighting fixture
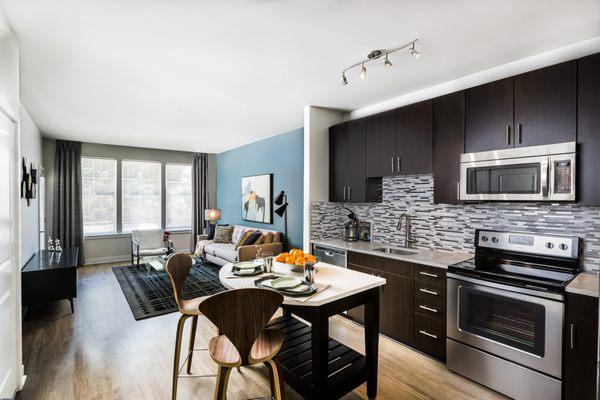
{"type": "Point", "coordinates": [387, 62]}
{"type": "Point", "coordinates": [413, 52]}
{"type": "Point", "coordinates": [376, 54]}
{"type": "Point", "coordinates": [363, 72]}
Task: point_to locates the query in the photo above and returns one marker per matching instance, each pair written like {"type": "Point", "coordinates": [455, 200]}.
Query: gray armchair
{"type": "Point", "coordinates": [148, 242]}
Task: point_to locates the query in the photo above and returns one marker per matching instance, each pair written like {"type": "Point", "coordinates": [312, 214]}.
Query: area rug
{"type": "Point", "coordinates": [150, 294]}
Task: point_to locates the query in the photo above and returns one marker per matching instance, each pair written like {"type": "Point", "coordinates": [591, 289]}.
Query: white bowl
{"type": "Point", "coordinates": [288, 267]}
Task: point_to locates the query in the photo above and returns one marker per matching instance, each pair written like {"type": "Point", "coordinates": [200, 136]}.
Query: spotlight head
{"type": "Point", "coordinates": [363, 71]}
{"type": "Point", "coordinates": [281, 210]}
{"type": "Point", "coordinates": [279, 198]}
{"type": "Point", "coordinates": [344, 80]}
{"type": "Point", "coordinates": [414, 53]}
{"type": "Point", "coordinates": [387, 62]}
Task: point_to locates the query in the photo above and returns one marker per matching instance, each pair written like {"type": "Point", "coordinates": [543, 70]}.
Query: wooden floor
{"type": "Point", "coordinates": [101, 352]}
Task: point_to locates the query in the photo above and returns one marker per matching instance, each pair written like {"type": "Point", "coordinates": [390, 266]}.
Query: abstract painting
{"type": "Point", "coordinates": [257, 198]}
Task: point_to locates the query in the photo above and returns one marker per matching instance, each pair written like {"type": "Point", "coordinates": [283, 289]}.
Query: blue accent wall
{"type": "Point", "coordinates": [282, 156]}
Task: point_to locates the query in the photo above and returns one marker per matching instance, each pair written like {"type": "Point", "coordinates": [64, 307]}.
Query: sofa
{"type": "Point", "coordinates": [223, 253]}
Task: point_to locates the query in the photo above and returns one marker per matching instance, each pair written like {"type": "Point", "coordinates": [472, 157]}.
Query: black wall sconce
{"type": "Point", "coordinates": [281, 201]}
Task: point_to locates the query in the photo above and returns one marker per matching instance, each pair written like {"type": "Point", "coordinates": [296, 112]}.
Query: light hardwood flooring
{"type": "Point", "coordinates": [101, 352]}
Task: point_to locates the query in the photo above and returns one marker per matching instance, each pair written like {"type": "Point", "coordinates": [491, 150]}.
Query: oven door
{"type": "Point", "coordinates": [506, 179]}
{"type": "Point", "coordinates": [518, 327]}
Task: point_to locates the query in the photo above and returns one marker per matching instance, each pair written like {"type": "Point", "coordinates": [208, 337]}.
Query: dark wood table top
{"type": "Point", "coordinates": [47, 260]}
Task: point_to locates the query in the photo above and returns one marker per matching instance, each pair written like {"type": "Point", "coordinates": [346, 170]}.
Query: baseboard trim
{"type": "Point", "coordinates": [103, 260]}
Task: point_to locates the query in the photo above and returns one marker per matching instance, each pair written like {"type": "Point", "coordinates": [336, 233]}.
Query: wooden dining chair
{"type": "Point", "coordinates": [178, 267]}
{"type": "Point", "coordinates": [241, 316]}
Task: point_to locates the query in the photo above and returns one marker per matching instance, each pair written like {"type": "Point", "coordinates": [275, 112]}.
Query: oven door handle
{"type": "Point", "coordinates": [544, 179]}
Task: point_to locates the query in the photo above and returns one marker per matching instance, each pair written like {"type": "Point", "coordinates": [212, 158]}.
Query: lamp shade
{"type": "Point", "coordinates": [281, 210]}
{"type": "Point", "coordinates": [279, 198]}
{"type": "Point", "coordinates": [212, 214]}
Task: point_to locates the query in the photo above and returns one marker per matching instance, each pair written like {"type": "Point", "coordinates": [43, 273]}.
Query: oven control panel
{"type": "Point", "coordinates": [558, 246]}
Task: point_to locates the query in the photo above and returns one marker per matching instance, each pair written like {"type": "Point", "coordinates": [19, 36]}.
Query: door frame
{"type": "Point", "coordinates": [19, 378]}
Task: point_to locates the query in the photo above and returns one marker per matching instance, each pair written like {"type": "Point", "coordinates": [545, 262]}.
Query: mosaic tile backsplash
{"type": "Point", "coordinates": [452, 227]}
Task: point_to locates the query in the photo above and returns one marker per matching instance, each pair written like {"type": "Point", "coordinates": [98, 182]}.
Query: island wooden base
{"type": "Point", "coordinates": [346, 367]}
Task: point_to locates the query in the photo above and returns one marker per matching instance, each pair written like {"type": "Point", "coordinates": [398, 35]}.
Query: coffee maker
{"type": "Point", "coordinates": [351, 227]}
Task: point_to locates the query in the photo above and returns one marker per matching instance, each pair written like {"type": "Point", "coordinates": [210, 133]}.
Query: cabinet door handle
{"type": "Point", "coordinates": [344, 195]}
{"type": "Point", "coordinates": [349, 192]}
{"type": "Point", "coordinates": [392, 159]}
{"type": "Point", "coordinates": [431, 335]}
{"type": "Point", "coordinates": [572, 338]}
{"type": "Point", "coordinates": [519, 129]}
{"type": "Point", "coordinates": [428, 309]}
{"type": "Point", "coordinates": [428, 292]}
{"type": "Point", "coordinates": [508, 135]}
{"type": "Point", "coordinates": [428, 274]}
{"type": "Point", "coordinates": [457, 190]}
{"type": "Point", "coordinates": [399, 162]}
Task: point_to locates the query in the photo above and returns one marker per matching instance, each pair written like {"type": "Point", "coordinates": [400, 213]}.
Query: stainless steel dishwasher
{"type": "Point", "coordinates": [330, 255]}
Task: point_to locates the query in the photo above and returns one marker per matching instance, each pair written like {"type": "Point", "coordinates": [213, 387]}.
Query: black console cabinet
{"type": "Point", "coordinates": [50, 276]}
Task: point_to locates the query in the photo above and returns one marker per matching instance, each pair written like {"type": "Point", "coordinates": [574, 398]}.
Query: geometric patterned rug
{"type": "Point", "coordinates": [150, 294]}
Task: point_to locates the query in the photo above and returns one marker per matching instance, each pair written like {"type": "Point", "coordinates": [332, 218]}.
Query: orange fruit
{"type": "Point", "coordinates": [281, 258]}
{"type": "Point", "coordinates": [310, 258]}
{"type": "Point", "coordinates": [300, 261]}
{"type": "Point", "coordinates": [290, 260]}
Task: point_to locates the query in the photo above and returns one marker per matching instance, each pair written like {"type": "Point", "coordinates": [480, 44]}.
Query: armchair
{"type": "Point", "coordinates": [148, 243]}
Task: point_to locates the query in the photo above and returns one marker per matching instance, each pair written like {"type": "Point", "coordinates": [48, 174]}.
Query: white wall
{"type": "Point", "coordinates": [9, 70]}
{"type": "Point", "coordinates": [317, 121]}
{"type": "Point", "coordinates": [31, 148]}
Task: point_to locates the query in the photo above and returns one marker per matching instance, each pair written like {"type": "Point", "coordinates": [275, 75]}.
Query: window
{"type": "Point", "coordinates": [141, 195]}
{"type": "Point", "coordinates": [178, 185]}
{"type": "Point", "coordinates": [99, 195]}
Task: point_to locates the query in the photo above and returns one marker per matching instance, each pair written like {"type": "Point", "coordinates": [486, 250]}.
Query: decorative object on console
{"type": "Point", "coordinates": [50, 244]}
{"type": "Point", "coordinates": [377, 54]}
{"type": "Point", "coordinates": [256, 198]}
{"type": "Point", "coordinates": [57, 246]}
{"type": "Point", "coordinates": [281, 201]}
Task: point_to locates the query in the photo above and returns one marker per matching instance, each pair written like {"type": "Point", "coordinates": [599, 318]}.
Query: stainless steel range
{"type": "Point", "coordinates": [506, 312]}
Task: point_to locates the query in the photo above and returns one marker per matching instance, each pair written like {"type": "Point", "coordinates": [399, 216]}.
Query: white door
{"type": "Point", "coordinates": [9, 301]}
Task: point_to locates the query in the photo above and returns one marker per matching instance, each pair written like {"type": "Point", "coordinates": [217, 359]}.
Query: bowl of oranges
{"type": "Point", "coordinates": [295, 259]}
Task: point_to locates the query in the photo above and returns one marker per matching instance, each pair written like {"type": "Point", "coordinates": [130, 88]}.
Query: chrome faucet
{"type": "Point", "coordinates": [409, 238]}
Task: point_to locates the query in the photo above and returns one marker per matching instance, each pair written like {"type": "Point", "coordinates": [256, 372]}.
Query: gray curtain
{"type": "Point", "coordinates": [199, 194]}
{"type": "Point", "coordinates": [67, 222]}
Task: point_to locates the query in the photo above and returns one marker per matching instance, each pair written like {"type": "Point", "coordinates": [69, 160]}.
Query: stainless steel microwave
{"type": "Point", "coordinates": [537, 173]}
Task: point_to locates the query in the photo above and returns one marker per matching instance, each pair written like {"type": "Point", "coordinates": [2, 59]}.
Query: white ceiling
{"type": "Point", "coordinates": [212, 75]}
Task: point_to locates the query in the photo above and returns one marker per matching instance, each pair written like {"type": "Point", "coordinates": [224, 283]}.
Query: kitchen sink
{"type": "Point", "coordinates": [400, 252]}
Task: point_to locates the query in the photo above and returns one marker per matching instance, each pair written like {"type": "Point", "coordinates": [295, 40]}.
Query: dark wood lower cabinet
{"type": "Point", "coordinates": [580, 347]}
{"type": "Point", "coordinates": [412, 316]}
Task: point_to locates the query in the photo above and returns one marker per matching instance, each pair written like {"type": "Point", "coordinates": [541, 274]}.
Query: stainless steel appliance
{"type": "Point", "coordinates": [538, 173]}
{"type": "Point", "coordinates": [330, 255]}
{"type": "Point", "coordinates": [506, 312]}
{"type": "Point", "coordinates": [351, 227]}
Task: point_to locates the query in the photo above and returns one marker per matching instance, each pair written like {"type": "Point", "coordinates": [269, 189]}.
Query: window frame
{"type": "Point", "coordinates": [166, 227]}
{"type": "Point", "coordinates": [161, 196]}
{"type": "Point", "coordinates": [116, 197]}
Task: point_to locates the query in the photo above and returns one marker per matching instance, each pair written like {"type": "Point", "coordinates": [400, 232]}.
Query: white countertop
{"type": "Point", "coordinates": [433, 258]}
{"type": "Point", "coordinates": [342, 282]}
{"type": "Point", "coordinates": [586, 283]}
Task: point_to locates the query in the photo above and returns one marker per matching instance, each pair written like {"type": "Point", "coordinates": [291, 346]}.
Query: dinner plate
{"type": "Point", "coordinates": [286, 282]}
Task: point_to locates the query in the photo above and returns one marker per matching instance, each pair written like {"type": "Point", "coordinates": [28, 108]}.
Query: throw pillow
{"type": "Point", "coordinates": [268, 237]}
{"type": "Point", "coordinates": [223, 234]}
{"type": "Point", "coordinates": [238, 232]}
{"type": "Point", "coordinates": [244, 237]}
{"type": "Point", "coordinates": [210, 231]}
{"type": "Point", "coordinates": [250, 240]}
{"type": "Point", "coordinates": [260, 239]}
{"type": "Point", "coordinates": [277, 238]}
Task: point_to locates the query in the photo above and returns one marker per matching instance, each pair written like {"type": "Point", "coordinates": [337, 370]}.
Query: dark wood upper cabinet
{"type": "Point", "coordinates": [489, 116]}
{"type": "Point", "coordinates": [381, 144]}
{"type": "Point", "coordinates": [588, 131]}
{"type": "Point", "coordinates": [448, 145]}
{"type": "Point", "coordinates": [545, 102]}
{"type": "Point", "coordinates": [338, 162]}
{"type": "Point", "coordinates": [347, 162]}
{"type": "Point", "coordinates": [414, 137]}
{"type": "Point", "coordinates": [357, 161]}
{"type": "Point", "coordinates": [580, 347]}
